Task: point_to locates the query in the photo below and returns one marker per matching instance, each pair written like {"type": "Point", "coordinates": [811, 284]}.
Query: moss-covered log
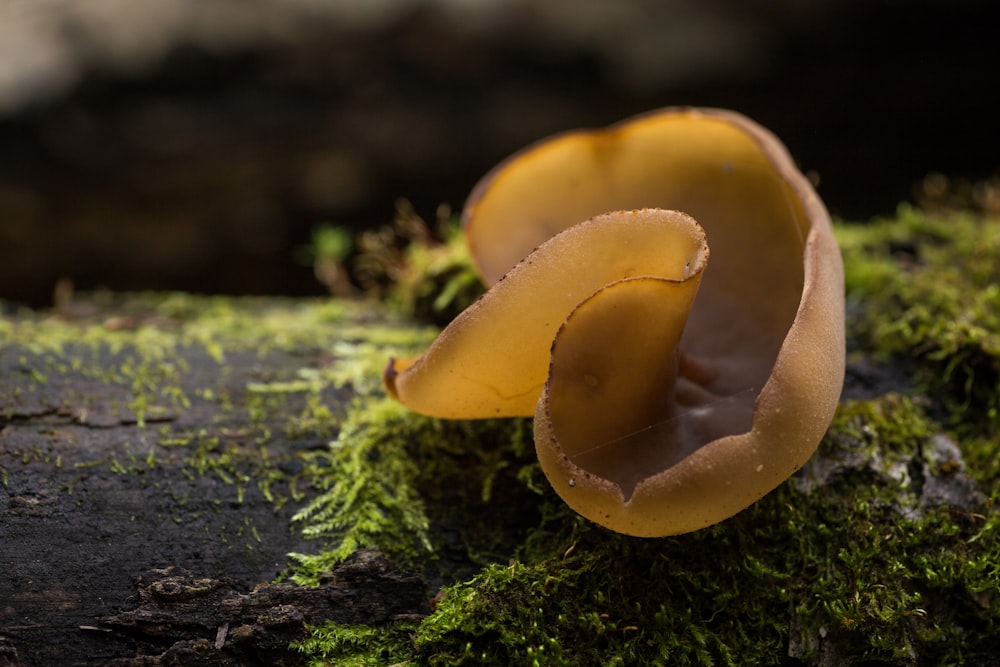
{"type": "Point", "coordinates": [160, 431]}
{"type": "Point", "coordinates": [216, 435]}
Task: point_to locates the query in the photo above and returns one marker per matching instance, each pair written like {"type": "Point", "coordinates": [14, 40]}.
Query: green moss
{"type": "Point", "coordinates": [924, 289]}
{"type": "Point", "coordinates": [893, 424]}
{"type": "Point", "coordinates": [370, 500]}
{"type": "Point", "coordinates": [418, 489]}
{"type": "Point", "coordinates": [855, 568]}
{"type": "Point", "coordinates": [856, 560]}
{"type": "Point", "coordinates": [438, 281]}
{"type": "Point", "coordinates": [855, 563]}
{"type": "Point", "coordinates": [424, 273]}
{"type": "Point", "coordinates": [358, 645]}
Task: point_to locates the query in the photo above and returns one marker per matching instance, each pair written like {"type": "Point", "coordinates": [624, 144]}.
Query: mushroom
{"type": "Point", "coordinates": [668, 394]}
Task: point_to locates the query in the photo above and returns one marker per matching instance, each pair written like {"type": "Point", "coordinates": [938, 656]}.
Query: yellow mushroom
{"type": "Point", "coordinates": [668, 394]}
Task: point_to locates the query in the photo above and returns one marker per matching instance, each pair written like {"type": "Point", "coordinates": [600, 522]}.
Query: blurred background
{"type": "Point", "coordinates": [194, 144]}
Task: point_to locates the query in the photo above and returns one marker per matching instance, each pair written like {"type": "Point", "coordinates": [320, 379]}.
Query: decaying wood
{"type": "Point", "coordinates": [211, 622]}
{"type": "Point", "coordinates": [96, 499]}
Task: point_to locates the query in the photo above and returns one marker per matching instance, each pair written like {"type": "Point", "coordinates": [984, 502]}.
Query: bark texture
{"type": "Point", "coordinates": [137, 520]}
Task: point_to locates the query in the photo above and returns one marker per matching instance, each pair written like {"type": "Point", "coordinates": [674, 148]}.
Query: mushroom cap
{"type": "Point", "coordinates": [492, 361]}
{"type": "Point", "coordinates": [656, 411]}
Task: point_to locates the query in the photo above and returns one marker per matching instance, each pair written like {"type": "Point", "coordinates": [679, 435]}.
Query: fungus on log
{"type": "Point", "coordinates": [668, 394]}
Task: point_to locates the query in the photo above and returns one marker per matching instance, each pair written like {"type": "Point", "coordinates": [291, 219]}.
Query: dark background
{"type": "Point", "coordinates": [194, 144]}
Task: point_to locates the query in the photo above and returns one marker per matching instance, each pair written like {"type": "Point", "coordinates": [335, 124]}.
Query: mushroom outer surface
{"type": "Point", "coordinates": [704, 415]}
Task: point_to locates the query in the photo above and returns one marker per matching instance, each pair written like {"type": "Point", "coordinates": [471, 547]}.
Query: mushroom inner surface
{"type": "Point", "coordinates": [721, 176]}
{"type": "Point", "coordinates": [701, 381]}
{"type": "Point", "coordinates": [624, 401]}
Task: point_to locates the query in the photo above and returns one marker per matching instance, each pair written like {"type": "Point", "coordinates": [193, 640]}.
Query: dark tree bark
{"type": "Point", "coordinates": [135, 524]}
{"type": "Point", "coordinates": [211, 622]}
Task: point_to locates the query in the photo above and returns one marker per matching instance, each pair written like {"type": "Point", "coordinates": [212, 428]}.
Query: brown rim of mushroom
{"type": "Point", "coordinates": [669, 393]}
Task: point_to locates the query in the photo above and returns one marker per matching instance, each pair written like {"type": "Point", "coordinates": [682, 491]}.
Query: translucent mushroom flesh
{"type": "Point", "coordinates": [668, 395]}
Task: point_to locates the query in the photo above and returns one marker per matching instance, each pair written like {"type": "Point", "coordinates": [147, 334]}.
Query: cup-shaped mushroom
{"type": "Point", "coordinates": [667, 396]}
